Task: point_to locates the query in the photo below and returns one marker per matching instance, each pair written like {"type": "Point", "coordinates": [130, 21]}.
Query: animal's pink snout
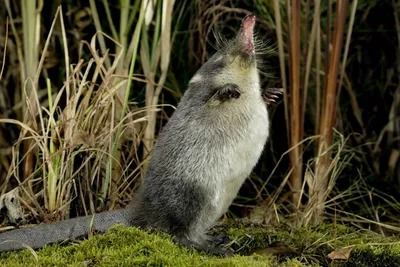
{"type": "Point", "coordinates": [246, 32]}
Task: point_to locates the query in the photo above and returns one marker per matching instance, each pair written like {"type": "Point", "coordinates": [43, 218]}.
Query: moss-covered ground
{"type": "Point", "coordinates": [254, 245]}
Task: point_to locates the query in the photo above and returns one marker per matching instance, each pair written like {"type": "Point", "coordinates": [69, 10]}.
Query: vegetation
{"type": "Point", "coordinates": [286, 246]}
{"type": "Point", "coordinates": [87, 86]}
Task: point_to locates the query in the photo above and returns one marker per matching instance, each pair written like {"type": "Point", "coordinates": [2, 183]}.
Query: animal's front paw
{"type": "Point", "coordinates": [270, 94]}
{"type": "Point", "coordinates": [228, 91]}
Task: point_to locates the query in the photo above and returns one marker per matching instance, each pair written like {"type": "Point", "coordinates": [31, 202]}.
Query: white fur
{"type": "Point", "coordinates": [248, 148]}
{"type": "Point", "coordinates": [244, 125]}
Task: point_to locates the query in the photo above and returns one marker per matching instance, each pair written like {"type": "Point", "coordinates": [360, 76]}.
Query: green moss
{"type": "Point", "coordinates": [313, 244]}
{"type": "Point", "coordinates": [123, 246]}
{"type": "Point", "coordinates": [128, 246]}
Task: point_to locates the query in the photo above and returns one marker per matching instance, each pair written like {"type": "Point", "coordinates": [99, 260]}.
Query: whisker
{"type": "Point", "coordinates": [220, 41]}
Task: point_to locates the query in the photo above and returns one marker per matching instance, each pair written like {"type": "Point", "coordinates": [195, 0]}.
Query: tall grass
{"type": "Point", "coordinates": [325, 109]}
{"type": "Point", "coordinates": [79, 131]}
{"type": "Point", "coordinates": [296, 107]}
{"type": "Point", "coordinates": [152, 50]}
{"type": "Point", "coordinates": [320, 185]}
{"type": "Point", "coordinates": [152, 58]}
{"type": "Point", "coordinates": [91, 131]}
{"type": "Point", "coordinates": [31, 33]}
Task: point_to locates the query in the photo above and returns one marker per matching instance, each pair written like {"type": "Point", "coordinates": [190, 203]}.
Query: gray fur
{"type": "Point", "coordinates": [202, 157]}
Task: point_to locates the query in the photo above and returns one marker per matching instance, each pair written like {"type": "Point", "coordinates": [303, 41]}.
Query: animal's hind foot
{"type": "Point", "coordinates": [218, 240]}
{"type": "Point", "coordinates": [217, 251]}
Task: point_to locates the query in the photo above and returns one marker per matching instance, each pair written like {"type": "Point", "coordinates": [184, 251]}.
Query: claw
{"type": "Point", "coordinates": [270, 94]}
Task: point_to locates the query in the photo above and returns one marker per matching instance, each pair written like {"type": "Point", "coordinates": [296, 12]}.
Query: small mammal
{"type": "Point", "coordinates": [202, 156]}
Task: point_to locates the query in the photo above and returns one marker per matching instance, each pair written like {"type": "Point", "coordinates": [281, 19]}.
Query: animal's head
{"type": "Point", "coordinates": [235, 60]}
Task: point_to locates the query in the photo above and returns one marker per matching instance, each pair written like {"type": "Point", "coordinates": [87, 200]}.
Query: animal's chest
{"type": "Point", "coordinates": [243, 151]}
{"type": "Point", "coordinates": [246, 149]}
{"type": "Point", "coordinates": [246, 152]}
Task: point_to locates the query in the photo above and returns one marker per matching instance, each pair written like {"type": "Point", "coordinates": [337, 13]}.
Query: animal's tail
{"type": "Point", "coordinates": [72, 229]}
